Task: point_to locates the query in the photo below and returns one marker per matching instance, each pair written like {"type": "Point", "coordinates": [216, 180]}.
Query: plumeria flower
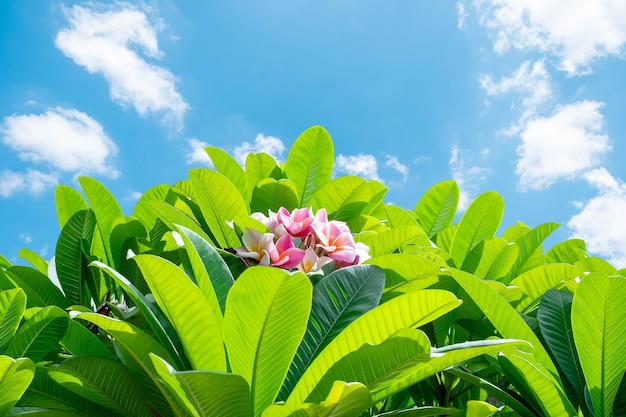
{"type": "Point", "coordinates": [258, 246]}
{"type": "Point", "coordinates": [297, 223]}
{"type": "Point", "coordinates": [312, 262]}
{"type": "Point", "coordinates": [271, 222]}
{"type": "Point", "coordinates": [335, 240]}
{"type": "Point", "coordinates": [286, 256]}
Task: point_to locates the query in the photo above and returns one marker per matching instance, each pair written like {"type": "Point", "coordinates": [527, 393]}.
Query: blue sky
{"type": "Point", "coordinates": [523, 98]}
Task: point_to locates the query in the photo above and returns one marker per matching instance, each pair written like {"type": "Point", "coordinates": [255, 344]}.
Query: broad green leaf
{"type": "Point", "coordinates": [172, 216]}
{"type": "Point", "coordinates": [345, 399]}
{"type": "Point", "coordinates": [401, 268]}
{"type": "Point", "coordinates": [104, 206]}
{"type": "Point", "coordinates": [161, 327]}
{"type": "Point", "coordinates": [69, 256]}
{"type": "Point", "coordinates": [5, 282]}
{"type": "Point", "coordinates": [188, 310]}
{"type": "Point", "coordinates": [375, 206]}
{"type": "Point", "coordinates": [491, 258]}
{"type": "Point", "coordinates": [79, 341]}
{"type": "Point", "coordinates": [220, 202]}
{"type": "Point", "coordinates": [599, 325]}
{"type": "Point", "coordinates": [397, 217]}
{"type": "Point", "coordinates": [228, 167]}
{"type": "Point", "coordinates": [502, 315]}
{"type": "Point", "coordinates": [12, 307]}
{"type": "Point", "coordinates": [479, 222]}
{"type": "Point", "coordinates": [504, 396]}
{"type": "Point", "coordinates": [537, 281]}
{"type": "Point", "coordinates": [409, 310]}
{"type": "Point", "coordinates": [535, 382]}
{"type": "Point", "coordinates": [395, 239]}
{"type": "Point", "coordinates": [437, 207]}
{"type": "Point", "coordinates": [216, 278]}
{"type": "Point", "coordinates": [266, 317]}
{"type": "Point", "coordinates": [68, 202]}
{"type": "Point", "coordinates": [15, 376]}
{"type": "Point", "coordinates": [164, 371]}
{"type": "Point", "coordinates": [34, 259]}
{"type": "Point", "coordinates": [444, 238]}
{"type": "Point", "coordinates": [554, 318]}
{"type": "Point", "coordinates": [135, 346]}
{"type": "Point", "coordinates": [39, 335]}
{"type": "Point", "coordinates": [568, 251]}
{"type": "Point", "coordinates": [104, 381]}
{"type": "Point", "coordinates": [338, 299]}
{"type": "Point", "coordinates": [529, 244]}
{"type": "Point", "coordinates": [480, 409]}
{"type": "Point", "coordinates": [343, 197]}
{"type": "Point", "coordinates": [143, 210]}
{"type": "Point", "coordinates": [124, 234]}
{"type": "Point", "coordinates": [44, 392]}
{"type": "Point", "coordinates": [260, 166]}
{"type": "Point", "coordinates": [271, 194]}
{"type": "Point", "coordinates": [424, 412]}
{"type": "Point", "coordinates": [40, 291]}
{"type": "Point", "coordinates": [309, 163]}
{"type": "Point", "coordinates": [594, 264]}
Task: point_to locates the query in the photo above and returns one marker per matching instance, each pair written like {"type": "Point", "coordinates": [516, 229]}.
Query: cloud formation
{"type": "Point", "coordinates": [574, 31]}
{"type": "Point", "coordinates": [198, 155]}
{"type": "Point", "coordinates": [65, 139]}
{"type": "Point", "coordinates": [363, 165]}
{"type": "Point", "coordinates": [268, 144]}
{"type": "Point", "coordinates": [104, 39]}
{"type": "Point", "coordinates": [561, 146]}
{"type": "Point", "coordinates": [395, 164]}
{"type": "Point", "coordinates": [466, 177]}
{"type": "Point", "coordinates": [598, 220]}
{"type": "Point", "coordinates": [31, 182]}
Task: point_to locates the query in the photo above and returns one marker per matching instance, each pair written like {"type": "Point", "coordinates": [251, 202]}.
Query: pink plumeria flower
{"type": "Point", "coordinates": [311, 262]}
{"type": "Point", "coordinates": [271, 222]}
{"type": "Point", "coordinates": [258, 246]}
{"type": "Point", "coordinates": [286, 256]}
{"type": "Point", "coordinates": [336, 240]}
{"type": "Point", "coordinates": [297, 223]}
{"type": "Point", "coordinates": [362, 252]}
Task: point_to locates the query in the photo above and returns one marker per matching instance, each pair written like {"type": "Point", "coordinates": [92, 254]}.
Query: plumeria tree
{"type": "Point", "coordinates": [274, 289]}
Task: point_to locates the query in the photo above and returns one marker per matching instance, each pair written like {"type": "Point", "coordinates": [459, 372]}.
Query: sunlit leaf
{"type": "Point", "coordinates": [437, 207]}
{"type": "Point", "coordinates": [270, 194]}
{"type": "Point", "coordinates": [15, 376]}
{"type": "Point", "coordinates": [68, 202]}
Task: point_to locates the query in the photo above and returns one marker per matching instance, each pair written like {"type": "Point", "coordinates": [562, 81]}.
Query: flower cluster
{"type": "Point", "coordinates": [301, 240]}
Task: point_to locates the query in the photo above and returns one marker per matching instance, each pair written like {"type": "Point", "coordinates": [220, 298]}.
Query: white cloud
{"type": "Point", "coordinates": [67, 139]}
{"type": "Point", "coordinates": [395, 164]}
{"type": "Point", "coordinates": [103, 39]}
{"type": "Point", "coordinates": [575, 31]}
{"type": "Point", "coordinates": [561, 146]}
{"type": "Point", "coordinates": [598, 220]}
{"type": "Point", "coordinates": [268, 144]}
{"type": "Point", "coordinates": [25, 237]}
{"type": "Point", "coordinates": [464, 176]}
{"type": "Point", "coordinates": [198, 155]}
{"type": "Point", "coordinates": [31, 182]}
{"type": "Point", "coordinates": [461, 14]}
{"type": "Point", "coordinates": [532, 82]}
{"type": "Point", "coordinates": [133, 195]}
{"type": "Point", "coordinates": [362, 165]}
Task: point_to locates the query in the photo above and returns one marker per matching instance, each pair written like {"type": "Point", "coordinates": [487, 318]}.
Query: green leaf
{"type": "Point", "coordinates": [270, 194]}
{"type": "Point", "coordinates": [338, 299]}
{"type": "Point", "coordinates": [15, 376]}
{"type": "Point", "coordinates": [491, 258]}
{"type": "Point", "coordinates": [409, 310]}
{"type": "Point", "coordinates": [529, 244]}
{"type": "Point", "coordinates": [40, 291]}
{"type": "Point", "coordinates": [124, 236]}
{"type": "Point", "coordinates": [568, 251]}
{"type": "Point", "coordinates": [424, 412]}
{"type": "Point", "coordinates": [479, 222]}
{"type": "Point", "coordinates": [135, 347]}
{"type": "Point", "coordinates": [502, 315]}
{"type": "Point", "coordinates": [172, 216]}
{"type": "Point", "coordinates": [395, 239]}
{"type": "Point", "coordinates": [143, 210]}
{"type": "Point", "coordinates": [437, 207]}
{"type": "Point", "coordinates": [12, 307]}
{"type": "Point", "coordinates": [175, 392]}
{"type": "Point", "coordinates": [266, 317]}
{"type": "Point", "coordinates": [345, 399]}
{"type": "Point", "coordinates": [79, 341]}
{"type": "Point", "coordinates": [343, 197]}
{"type": "Point", "coordinates": [39, 334]}
{"type": "Point", "coordinates": [34, 259]}
{"type": "Point", "coordinates": [599, 325]}
{"type": "Point", "coordinates": [537, 281]}
{"type": "Point", "coordinates": [68, 202]}
{"type": "Point", "coordinates": [536, 383]}
{"type": "Point", "coordinates": [104, 381]}
{"type": "Point", "coordinates": [162, 328]}
{"type": "Point", "coordinates": [397, 217]}
{"type": "Point", "coordinates": [104, 206]}
{"type": "Point", "coordinates": [260, 166]}
{"type": "Point", "coordinates": [554, 318]}
{"type": "Point", "coordinates": [69, 256]}
{"type": "Point", "coordinates": [403, 268]}
{"type": "Point", "coordinates": [199, 329]}
{"type": "Point", "coordinates": [220, 202]}
{"type": "Point", "coordinates": [309, 163]}
{"type": "Point", "coordinates": [228, 167]}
